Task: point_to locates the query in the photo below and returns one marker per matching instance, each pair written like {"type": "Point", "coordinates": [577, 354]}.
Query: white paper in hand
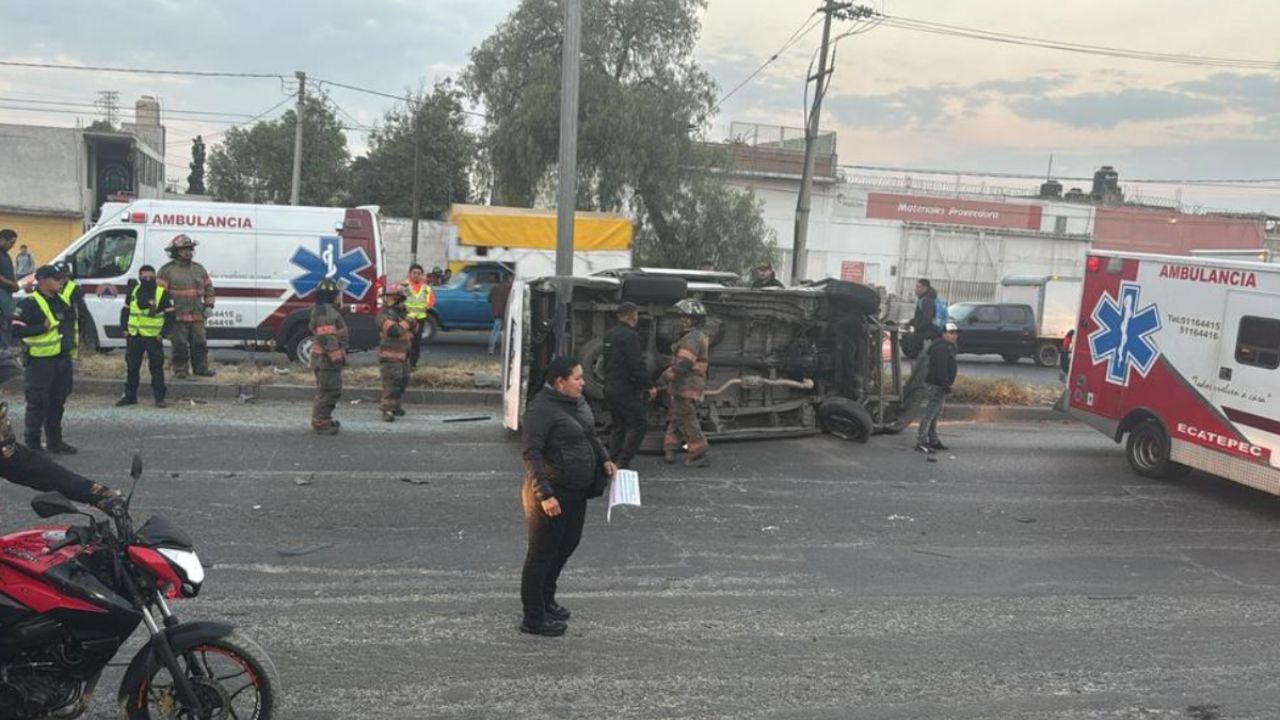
{"type": "Point", "coordinates": [624, 490]}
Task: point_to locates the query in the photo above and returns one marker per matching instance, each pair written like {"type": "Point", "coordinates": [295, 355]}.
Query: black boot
{"type": "Point", "coordinates": [200, 361]}
{"type": "Point", "coordinates": [546, 628]}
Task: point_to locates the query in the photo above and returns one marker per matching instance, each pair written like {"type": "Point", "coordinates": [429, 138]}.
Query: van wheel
{"type": "Point", "coordinates": [845, 419]}
{"type": "Point", "coordinates": [89, 338]}
{"type": "Point", "coordinates": [1047, 354]}
{"type": "Point", "coordinates": [1011, 359]}
{"type": "Point", "coordinates": [431, 329]}
{"type": "Point", "coordinates": [591, 355]}
{"type": "Point", "coordinates": [1148, 452]}
{"type": "Point", "coordinates": [298, 346]}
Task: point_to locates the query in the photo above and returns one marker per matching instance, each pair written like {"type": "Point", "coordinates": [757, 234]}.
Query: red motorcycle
{"type": "Point", "coordinates": [71, 596]}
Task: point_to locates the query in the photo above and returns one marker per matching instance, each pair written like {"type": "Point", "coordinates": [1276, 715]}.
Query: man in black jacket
{"type": "Point", "coordinates": [937, 385]}
{"type": "Point", "coordinates": [562, 460]}
{"type": "Point", "coordinates": [21, 466]}
{"type": "Point", "coordinates": [626, 387]}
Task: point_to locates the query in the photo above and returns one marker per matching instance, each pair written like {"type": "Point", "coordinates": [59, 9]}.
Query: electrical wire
{"type": "Point", "coordinates": [137, 71]}
{"type": "Point", "coordinates": [795, 37]}
{"type": "Point", "coordinates": [924, 26]}
{"type": "Point", "coordinates": [379, 93]}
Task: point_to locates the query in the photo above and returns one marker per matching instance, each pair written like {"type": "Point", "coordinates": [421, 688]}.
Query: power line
{"type": "Point", "coordinates": [1271, 184]}
{"type": "Point", "coordinates": [401, 98]}
{"type": "Point", "coordinates": [163, 110]}
{"type": "Point", "coordinates": [924, 26]}
{"type": "Point", "coordinates": [795, 37]}
{"type": "Point", "coordinates": [137, 71]}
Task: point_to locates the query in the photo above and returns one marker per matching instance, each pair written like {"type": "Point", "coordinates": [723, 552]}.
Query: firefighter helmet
{"type": "Point", "coordinates": [692, 308]}
{"type": "Point", "coordinates": [180, 241]}
{"type": "Point", "coordinates": [327, 290]}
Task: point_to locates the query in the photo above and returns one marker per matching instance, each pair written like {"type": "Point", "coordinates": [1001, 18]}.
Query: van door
{"type": "Point", "coordinates": [1248, 382]}
{"type": "Point", "coordinates": [102, 266]}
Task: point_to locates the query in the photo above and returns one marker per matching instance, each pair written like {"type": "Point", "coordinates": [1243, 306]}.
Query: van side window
{"type": "Point", "coordinates": [1015, 315]}
{"type": "Point", "coordinates": [107, 255]}
{"type": "Point", "coordinates": [987, 314]}
{"type": "Point", "coordinates": [1258, 342]}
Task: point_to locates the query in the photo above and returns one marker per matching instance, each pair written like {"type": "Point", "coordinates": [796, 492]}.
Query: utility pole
{"type": "Point", "coordinates": [295, 192]}
{"type": "Point", "coordinates": [417, 207]}
{"type": "Point", "coordinates": [822, 80]}
{"type": "Point", "coordinates": [568, 196]}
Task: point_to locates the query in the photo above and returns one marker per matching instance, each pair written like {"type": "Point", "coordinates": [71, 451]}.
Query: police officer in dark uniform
{"type": "Point", "coordinates": [627, 388]}
{"type": "Point", "coordinates": [46, 324]}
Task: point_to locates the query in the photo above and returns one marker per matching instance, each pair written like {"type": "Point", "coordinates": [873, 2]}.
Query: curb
{"type": "Point", "coordinates": [292, 393]}
{"type": "Point", "coordinates": [1002, 414]}
{"type": "Point", "coordinates": [493, 399]}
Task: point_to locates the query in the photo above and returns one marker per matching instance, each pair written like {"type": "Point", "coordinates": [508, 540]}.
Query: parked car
{"type": "Point", "coordinates": [462, 303]}
{"type": "Point", "coordinates": [1004, 329]}
{"type": "Point", "coordinates": [785, 362]}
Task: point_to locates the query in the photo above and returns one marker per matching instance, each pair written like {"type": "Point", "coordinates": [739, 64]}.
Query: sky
{"type": "Point", "coordinates": [898, 98]}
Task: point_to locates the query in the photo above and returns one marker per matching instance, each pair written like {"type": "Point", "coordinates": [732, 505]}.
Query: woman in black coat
{"type": "Point", "coordinates": [564, 464]}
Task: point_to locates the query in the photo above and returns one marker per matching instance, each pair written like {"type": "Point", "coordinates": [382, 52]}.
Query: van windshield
{"type": "Point", "coordinates": [960, 311]}
{"type": "Point", "coordinates": [106, 255]}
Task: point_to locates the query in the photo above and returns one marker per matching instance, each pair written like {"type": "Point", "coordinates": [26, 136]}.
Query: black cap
{"type": "Point", "coordinates": [48, 271]}
{"type": "Point", "coordinates": [627, 306]}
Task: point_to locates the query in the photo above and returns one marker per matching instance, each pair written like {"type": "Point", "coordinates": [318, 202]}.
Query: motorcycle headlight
{"type": "Point", "coordinates": [187, 563]}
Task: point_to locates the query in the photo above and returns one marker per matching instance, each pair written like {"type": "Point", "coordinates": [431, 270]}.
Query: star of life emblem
{"type": "Point", "coordinates": [330, 262]}
{"type": "Point", "coordinates": [1123, 339]}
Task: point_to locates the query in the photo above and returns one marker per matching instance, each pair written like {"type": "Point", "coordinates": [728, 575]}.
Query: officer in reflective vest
{"type": "Point", "coordinates": [418, 301]}
{"type": "Point", "coordinates": [73, 296]}
{"type": "Point", "coordinates": [147, 318]}
{"type": "Point", "coordinates": [46, 325]}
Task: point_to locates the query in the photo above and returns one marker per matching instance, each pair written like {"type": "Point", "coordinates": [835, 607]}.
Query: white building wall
{"type": "Point", "coordinates": [43, 169]}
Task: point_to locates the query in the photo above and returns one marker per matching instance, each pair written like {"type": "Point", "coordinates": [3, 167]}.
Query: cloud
{"type": "Point", "coordinates": [1109, 109]}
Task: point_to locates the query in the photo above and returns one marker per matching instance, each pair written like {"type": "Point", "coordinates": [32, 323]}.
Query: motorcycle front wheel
{"type": "Point", "coordinates": [233, 677]}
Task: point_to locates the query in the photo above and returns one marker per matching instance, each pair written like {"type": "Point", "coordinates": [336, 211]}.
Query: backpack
{"type": "Point", "coordinates": [939, 313]}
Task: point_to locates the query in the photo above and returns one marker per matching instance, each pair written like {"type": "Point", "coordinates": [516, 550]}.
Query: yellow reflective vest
{"type": "Point", "coordinates": [47, 344]}
{"type": "Point", "coordinates": [145, 322]}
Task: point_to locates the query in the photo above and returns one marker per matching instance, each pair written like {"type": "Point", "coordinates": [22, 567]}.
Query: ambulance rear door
{"type": "Point", "coordinates": [1248, 375]}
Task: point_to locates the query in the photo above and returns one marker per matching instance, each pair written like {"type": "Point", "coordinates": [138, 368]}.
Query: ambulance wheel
{"type": "Point", "coordinates": [1011, 358]}
{"type": "Point", "coordinates": [431, 329]}
{"type": "Point", "coordinates": [1148, 452]}
{"type": "Point", "coordinates": [298, 346]}
{"type": "Point", "coordinates": [845, 419]}
{"type": "Point", "coordinates": [1047, 354]}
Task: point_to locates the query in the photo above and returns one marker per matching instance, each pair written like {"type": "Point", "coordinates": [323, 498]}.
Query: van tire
{"type": "Point", "coordinates": [89, 338]}
{"type": "Point", "coordinates": [293, 347]}
{"type": "Point", "coordinates": [845, 419]}
{"type": "Point", "coordinates": [1047, 354]}
{"type": "Point", "coordinates": [1011, 358]}
{"type": "Point", "coordinates": [591, 356]}
{"type": "Point", "coordinates": [862, 297]}
{"type": "Point", "coordinates": [654, 290]}
{"type": "Point", "coordinates": [1148, 452]}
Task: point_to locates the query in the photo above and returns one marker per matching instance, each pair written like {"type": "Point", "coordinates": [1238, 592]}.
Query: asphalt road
{"type": "Point", "coordinates": [1027, 574]}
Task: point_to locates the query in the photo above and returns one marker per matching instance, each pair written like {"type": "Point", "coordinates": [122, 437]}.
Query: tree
{"type": "Point", "coordinates": [256, 164]}
{"type": "Point", "coordinates": [195, 181]}
{"type": "Point", "coordinates": [641, 94]}
{"type": "Point", "coordinates": [445, 152]}
{"type": "Point", "coordinates": [707, 221]}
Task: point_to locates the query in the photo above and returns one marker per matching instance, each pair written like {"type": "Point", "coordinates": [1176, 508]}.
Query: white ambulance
{"type": "Point", "coordinates": [1182, 355]}
{"type": "Point", "coordinates": [265, 261]}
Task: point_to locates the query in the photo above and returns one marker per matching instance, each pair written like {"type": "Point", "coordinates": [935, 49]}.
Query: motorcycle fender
{"type": "Point", "coordinates": [181, 637]}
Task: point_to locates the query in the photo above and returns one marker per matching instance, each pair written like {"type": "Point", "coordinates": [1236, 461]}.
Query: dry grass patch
{"type": "Point", "coordinates": [454, 374]}
{"type": "Point", "coordinates": [1000, 391]}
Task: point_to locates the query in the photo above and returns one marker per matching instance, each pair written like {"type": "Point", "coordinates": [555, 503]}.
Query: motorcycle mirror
{"type": "Point", "coordinates": [50, 504]}
{"type": "Point", "coordinates": [135, 470]}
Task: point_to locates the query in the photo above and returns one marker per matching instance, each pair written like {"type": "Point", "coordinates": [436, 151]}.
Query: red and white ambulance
{"type": "Point", "coordinates": [265, 260]}
{"type": "Point", "coordinates": [1182, 355]}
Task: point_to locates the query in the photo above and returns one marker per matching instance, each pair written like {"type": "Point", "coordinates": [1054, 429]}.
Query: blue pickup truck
{"type": "Point", "coordinates": [462, 303]}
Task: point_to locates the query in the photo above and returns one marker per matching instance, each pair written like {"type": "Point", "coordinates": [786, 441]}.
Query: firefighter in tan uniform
{"type": "Point", "coordinates": [395, 330]}
{"type": "Point", "coordinates": [687, 379]}
{"type": "Point", "coordinates": [328, 355]}
{"type": "Point", "coordinates": [191, 288]}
